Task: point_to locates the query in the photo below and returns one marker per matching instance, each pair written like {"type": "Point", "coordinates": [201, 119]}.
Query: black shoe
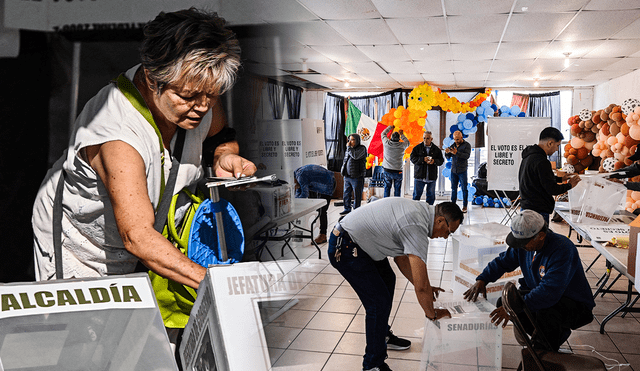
{"type": "Point", "coordinates": [382, 367]}
{"type": "Point", "coordinates": [396, 343]}
{"type": "Point", "coordinates": [345, 212]}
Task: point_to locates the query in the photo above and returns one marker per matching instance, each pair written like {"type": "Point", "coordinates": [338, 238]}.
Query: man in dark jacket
{"type": "Point", "coordinates": [553, 286]}
{"type": "Point", "coordinates": [459, 153]}
{"type": "Point", "coordinates": [426, 157]}
{"type": "Point", "coordinates": [538, 184]}
{"type": "Point", "coordinates": [353, 170]}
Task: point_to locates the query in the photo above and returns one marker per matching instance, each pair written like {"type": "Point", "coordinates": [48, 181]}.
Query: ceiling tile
{"type": "Point", "coordinates": [473, 28]}
{"type": "Point", "coordinates": [330, 68]}
{"type": "Point", "coordinates": [550, 6]}
{"type": "Point", "coordinates": [536, 26]}
{"type": "Point", "coordinates": [569, 76]}
{"type": "Point", "coordinates": [311, 33]}
{"type": "Point", "coordinates": [377, 78]}
{"type": "Point", "coordinates": [614, 48]}
{"type": "Point", "coordinates": [457, 7]}
{"type": "Point", "coordinates": [434, 66]}
{"type": "Point", "coordinates": [408, 8]}
{"type": "Point", "coordinates": [547, 65]}
{"type": "Point", "coordinates": [369, 68]}
{"type": "Point", "coordinates": [594, 64]}
{"type": "Point", "coordinates": [472, 66]}
{"type": "Point", "coordinates": [607, 75]}
{"type": "Point", "coordinates": [264, 69]}
{"type": "Point", "coordinates": [520, 50]}
{"type": "Point", "coordinates": [414, 78]}
{"type": "Point", "coordinates": [624, 64]}
{"type": "Point", "coordinates": [339, 9]}
{"type": "Point", "coordinates": [385, 53]}
{"type": "Point", "coordinates": [245, 12]}
{"type": "Point", "coordinates": [608, 24]}
{"type": "Point", "coordinates": [632, 31]}
{"type": "Point", "coordinates": [318, 79]}
{"type": "Point", "coordinates": [611, 5]}
{"type": "Point", "coordinates": [289, 55]}
{"type": "Point", "coordinates": [471, 51]}
{"type": "Point", "coordinates": [438, 76]}
{"type": "Point", "coordinates": [425, 52]}
{"type": "Point", "coordinates": [342, 53]}
{"type": "Point", "coordinates": [364, 31]}
{"type": "Point", "coordinates": [399, 67]}
{"type": "Point", "coordinates": [504, 76]}
{"type": "Point", "coordinates": [513, 65]}
{"type": "Point", "coordinates": [578, 49]}
{"type": "Point", "coordinates": [430, 30]}
{"type": "Point", "coordinates": [470, 84]}
{"type": "Point", "coordinates": [470, 76]}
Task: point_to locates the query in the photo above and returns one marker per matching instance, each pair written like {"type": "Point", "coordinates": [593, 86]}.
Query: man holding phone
{"type": "Point", "coordinates": [426, 157]}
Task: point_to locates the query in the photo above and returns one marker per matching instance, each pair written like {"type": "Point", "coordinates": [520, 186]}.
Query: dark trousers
{"type": "Point", "coordinates": [418, 188]}
{"type": "Point", "coordinates": [555, 322]}
{"type": "Point", "coordinates": [374, 282]}
{"type": "Point", "coordinates": [392, 178]}
{"type": "Point", "coordinates": [355, 185]}
{"type": "Point", "coordinates": [462, 179]}
{"type": "Point", "coordinates": [323, 211]}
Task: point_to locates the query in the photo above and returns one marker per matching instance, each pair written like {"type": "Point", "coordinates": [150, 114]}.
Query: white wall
{"type": "Point", "coordinates": [582, 98]}
{"type": "Point", "coordinates": [617, 90]}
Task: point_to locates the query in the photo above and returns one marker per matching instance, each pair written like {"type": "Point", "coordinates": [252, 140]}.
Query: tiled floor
{"type": "Point", "coordinates": [327, 332]}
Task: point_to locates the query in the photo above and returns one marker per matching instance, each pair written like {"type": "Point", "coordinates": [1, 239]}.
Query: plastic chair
{"type": "Point", "coordinates": [541, 360]}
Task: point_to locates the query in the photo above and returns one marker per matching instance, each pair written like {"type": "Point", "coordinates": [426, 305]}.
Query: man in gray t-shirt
{"type": "Point", "coordinates": [359, 247]}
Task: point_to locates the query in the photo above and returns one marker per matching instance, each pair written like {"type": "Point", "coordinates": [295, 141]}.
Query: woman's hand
{"type": "Point", "coordinates": [232, 165]}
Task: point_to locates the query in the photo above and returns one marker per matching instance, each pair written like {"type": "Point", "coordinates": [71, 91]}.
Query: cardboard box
{"type": "Point", "coordinates": [633, 249]}
{"type": "Point", "coordinates": [276, 200]}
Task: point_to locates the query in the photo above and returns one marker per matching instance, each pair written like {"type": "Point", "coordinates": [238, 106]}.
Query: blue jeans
{"type": "Point", "coordinates": [418, 187]}
{"type": "Point", "coordinates": [462, 179]}
{"type": "Point", "coordinates": [354, 185]}
{"type": "Point", "coordinates": [396, 179]}
{"type": "Point", "coordinates": [374, 282]}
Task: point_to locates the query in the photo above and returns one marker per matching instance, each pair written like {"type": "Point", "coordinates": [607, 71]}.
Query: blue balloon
{"type": "Point", "coordinates": [482, 118]}
{"type": "Point", "coordinates": [453, 128]}
{"type": "Point", "coordinates": [467, 124]}
{"type": "Point", "coordinates": [497, 206]}
{"type": "Point", "coordinates": [470, 116]}
{"type": "Point", "coordinates": [447, 165]}
{"type": "Point", "coordinates": [446, 172]}
{"type": "Point", "coordinates": [447, 142]}
{"type": "Point", "coordinates": [515, 110]}
{"type": "Point", "coordinates": [465, 132]}
{"type": "Point", "coordinates": [480, 110]}
{"type": "Point", "coordinates": [460, 195]}
{"type": "Point", "coordinates": [472, 190]}
{"type": "Point", "coordinates": [489, 112]}
{"type": "Point", "coordinates": [485, 204]}
{"type": "Point", "coordinates": [504, 115]}
{"type": "Point", "coordinates": [461, 117]}
{"type": "Point", "coordinates": [461, 126]}
{"type": "Point", "coordinates": [505, 109]}
{"type": "Point", "coordinates": [473, 130]}
{"type": "Point", "coordinates": [485, 104]}
{"type": "Point", "coordinates": [477, 201]}
{"type": "Point", "coordinates": [494, 107]}
{"type": "Point", "coordinates": [521, 114]}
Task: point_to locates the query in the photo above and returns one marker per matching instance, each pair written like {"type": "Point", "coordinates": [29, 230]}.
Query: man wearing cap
{"type": "Point", "coordinates": [537, 182]}
{"type": "Point", "coordinates": [553, 285]}
{"type": "Point", "coordinates": [359, 247]}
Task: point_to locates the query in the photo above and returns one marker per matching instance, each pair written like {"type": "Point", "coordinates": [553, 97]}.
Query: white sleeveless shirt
{"type": "Point", "coordinates": [91, 244]}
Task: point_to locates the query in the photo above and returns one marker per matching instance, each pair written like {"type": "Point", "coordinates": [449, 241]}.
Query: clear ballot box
{"type": "Point", "coordinates": [109, 323]}
{"type": "Point", "coordinates": [466, 341]}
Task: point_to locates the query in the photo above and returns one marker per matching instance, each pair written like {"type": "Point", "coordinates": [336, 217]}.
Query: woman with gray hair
{"type": "Point", "coordinates": [110, 180]}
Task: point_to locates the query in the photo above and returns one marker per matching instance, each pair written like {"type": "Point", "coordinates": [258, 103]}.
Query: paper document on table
{"type": "Point", "coordinates": [606, 232]}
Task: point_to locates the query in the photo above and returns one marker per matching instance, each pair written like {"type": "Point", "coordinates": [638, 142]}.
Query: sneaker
{"type": "Point", "coordinates": [322, 238]}
{"type": "Point", "coordinates": [382, 367]}
{"type": "Point", "coordinates": [396, 343]}
{"type": "Point", "coordinates": [345, 212]}
{"type": "Point", "coordinates": [464, 209]}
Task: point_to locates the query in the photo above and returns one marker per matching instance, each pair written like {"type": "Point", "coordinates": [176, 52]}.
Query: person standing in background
{"type": "Point", "coordinates": [426, 157]}
{"type": "Point", "coordinates": [459, 153]}
{"type": "Point", "coordinates": [353, 170]}
{"type": "Point", "coordinates": [392, 160]}
{"type": "Point", "coordinates": [314, 181]}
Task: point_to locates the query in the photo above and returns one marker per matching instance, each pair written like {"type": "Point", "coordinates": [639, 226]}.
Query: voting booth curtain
{"type": "Point", "coordinates": [335, 119]}
{"type": "Point", "coordinates": [280, 93]}
{"type": "Point", "coordinates": [547, 105]}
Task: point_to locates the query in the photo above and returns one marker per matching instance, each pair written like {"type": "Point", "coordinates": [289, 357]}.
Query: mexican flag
{"type": "Point", "coordinates": [359, 123]}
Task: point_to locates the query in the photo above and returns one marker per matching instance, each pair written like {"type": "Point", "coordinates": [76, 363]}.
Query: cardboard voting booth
{"type": "Point", "coordinates": [466, 341]}
{"type": "Point", "coordinates": [473, 248]}
{"type": "Point", "coordinates": [241, 311]}
{"type": "Point", "coordinates": [109, 323]}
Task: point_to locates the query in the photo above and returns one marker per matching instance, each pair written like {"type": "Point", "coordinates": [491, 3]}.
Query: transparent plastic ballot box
{"type": "Point", "coordinates": [466, 341]}
{"type": "Point", "coordinates": [478, 244]}
{"type": "Point", "coordinates": [462, 281]}
{"type": "Point", "coordinates": [248, 314]}
{"type": "Point", "coordinates": [109, 323]}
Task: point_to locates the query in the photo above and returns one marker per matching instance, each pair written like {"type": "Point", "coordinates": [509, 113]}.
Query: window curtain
{"type": "Point", "coordinates": [520, 100]}
{"type": "Point", "coordinates": [334, 121]}
{"type": "Point", "coordinates": [276, 99]}
{"type": "Point", "coordinates": [293, 96]}
{"type": "Point", "coordinates": [547, 105]}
